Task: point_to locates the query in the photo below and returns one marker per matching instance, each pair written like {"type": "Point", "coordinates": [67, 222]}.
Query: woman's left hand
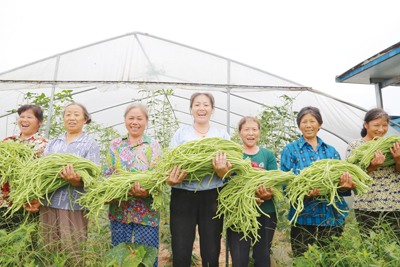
{"type": "Point", "coordinates": [346, 182]}
{"type": "Point", "coordinates": [221, 164]}
{"type": "Point", "coordinates": [395, 151]}
{"type": "Point", "coordinates": [71, 176]}
{"type": "Point", "coordinates": [264, 194]}
{"type": "Point", "coordinates": [137, 191]}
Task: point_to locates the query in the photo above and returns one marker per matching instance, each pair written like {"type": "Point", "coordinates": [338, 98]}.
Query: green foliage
{"type": "Point", "coordinates": [162, 117]}
{"type": "Point", "coordinates": [131, 255]}
{"type": "Point", "coordinates": [379, 247]}
{"type": "Point", "coordinates": [278, 126]}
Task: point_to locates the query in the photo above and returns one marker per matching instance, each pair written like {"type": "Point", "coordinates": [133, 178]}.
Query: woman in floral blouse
{"type": "Point", "coordinates": [29, 120]}
{"type": "Point", "coordinates": [382, 203]}
{"type": "Point", "coordinates": [134, 152]}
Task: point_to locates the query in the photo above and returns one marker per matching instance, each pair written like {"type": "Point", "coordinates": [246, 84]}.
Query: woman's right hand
{"type": "Point", "coordinates": [176, 176]}
{"type": "Point", "coordinates": [33, 206]}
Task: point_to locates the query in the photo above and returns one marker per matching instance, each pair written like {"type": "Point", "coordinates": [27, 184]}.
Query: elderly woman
{"type": "Point", "coordinates": [318, 222]}
{"type": "Point", "coordinates": [64, 226]}
{"type": "Point", "coordinates": [381, 204]}
{"type": "Point", "coordinates": [30, 118]}
{"type": "Point", "coordinates": [134, 152]}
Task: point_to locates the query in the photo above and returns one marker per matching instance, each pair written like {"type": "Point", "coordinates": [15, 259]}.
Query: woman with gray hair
{"type": "Point", "coordinates": [63, 222]}
{"type": "Point", "coordinates": [319, 221]}
{"type": "Point", "coordinates": [135, 151]}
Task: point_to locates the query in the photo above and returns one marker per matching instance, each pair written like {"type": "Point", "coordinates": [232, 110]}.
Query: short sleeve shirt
{"type": "Point", "coordinates": [384, 193]}
{"type": "Point", "coordinates": [140, 157]}
{"type": "Point", "coordinates": [264, 159]}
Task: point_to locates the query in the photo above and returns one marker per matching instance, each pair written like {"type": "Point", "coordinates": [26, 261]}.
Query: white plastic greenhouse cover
{"type": "Point", "coordinates": [107, 75]}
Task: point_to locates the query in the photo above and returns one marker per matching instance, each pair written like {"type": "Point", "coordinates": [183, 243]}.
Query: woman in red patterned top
{"type": "Point", "coordinates": [29, 121]}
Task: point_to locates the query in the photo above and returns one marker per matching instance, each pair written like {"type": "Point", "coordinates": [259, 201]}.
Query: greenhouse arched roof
{"type": "Point", "coordinates": [105, 76]}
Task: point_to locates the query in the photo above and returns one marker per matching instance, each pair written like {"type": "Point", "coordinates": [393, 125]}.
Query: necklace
{"type": "Point", "coordinates": [202, 134]}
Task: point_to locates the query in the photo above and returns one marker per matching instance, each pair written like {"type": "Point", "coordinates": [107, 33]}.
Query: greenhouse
{"type": "Point", "coordinates": [107, 75]}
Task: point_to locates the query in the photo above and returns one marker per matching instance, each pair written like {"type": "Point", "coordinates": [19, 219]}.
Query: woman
{"type": "Point", "coordinates": [30, 118]}
{"type": "Point", "coordinates": [318, 222]}
{"type": "Point", "coordinates": [63, 221]}
{"type": "Point", "coordinates": [249, 132]}
{"type": "Point", "coordinates": [134, 152]}
{"type": "Point", "coordinates": [381, 204]}
{"type": "Point", "coordinates": [193, 204]}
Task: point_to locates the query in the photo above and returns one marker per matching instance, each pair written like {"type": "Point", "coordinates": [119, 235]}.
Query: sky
{"type": "Point", "coordinates": [308, 42]}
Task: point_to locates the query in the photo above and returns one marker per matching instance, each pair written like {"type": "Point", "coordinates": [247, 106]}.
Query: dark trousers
{"type": "Point", "coordinates": [10, 223]}
{"type": "Point", "coordinates": [368, 220]}
{"type": "Point", "coordinates": [303, 235]}
{"type": "Point", "coordinates": [240, 248]}
{"type": "Point", "coordinates": [188, 209]}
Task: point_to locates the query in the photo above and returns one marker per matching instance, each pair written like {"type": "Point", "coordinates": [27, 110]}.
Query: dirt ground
{"type": "Point", "coordinates": [280, 253]}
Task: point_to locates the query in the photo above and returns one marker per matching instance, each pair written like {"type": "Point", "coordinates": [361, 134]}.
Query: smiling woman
{"type": "Point", "coordinates": [134, 152]}
{"type": "Point", "coordinates": [29, 120]}
{"type": "Point", "coordinates": [319, 221]}
{"type": "Point", "coordinates": [63, 221]}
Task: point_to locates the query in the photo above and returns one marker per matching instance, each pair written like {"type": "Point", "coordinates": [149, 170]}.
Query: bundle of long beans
{"type": "Point", "coordinates": [237, 200]}
{"type": "Point", "coordinates": [363, 154]}
{"type": "Point", "coordinates": [117, 187]}
{"type": "Point", "coordinates": [196, 158]}
{"type": "Point", "coordinates": [13, 156]}
{"type": "Point", "coordinates": [41, 177]}
{"type": "Point", "coordinates": [324, 175]}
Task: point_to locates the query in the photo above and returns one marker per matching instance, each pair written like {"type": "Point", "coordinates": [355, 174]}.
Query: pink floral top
{"type": "Point", "coordinates": [138, 157]}
{"type": "Point", "coordinates": [39, 144]}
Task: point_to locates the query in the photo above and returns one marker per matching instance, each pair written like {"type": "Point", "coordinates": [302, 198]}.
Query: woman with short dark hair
{"type": "Point", "coordinates": [30, 118]}
{"type": "Point", "coordinates": [319, 221]}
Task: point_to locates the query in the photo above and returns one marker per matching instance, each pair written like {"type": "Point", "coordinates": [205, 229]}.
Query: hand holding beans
{"type": "Point", "coordinates": [176, 176]}
{"type": "Point", "coordinates": [137, 191]}
{"type": "Point", "coordinates": [71, 176]}
{"type": "Point", "coordinates": [221, 165]}
{"type": "Point", "coordinates": [263, 194]}
{"type": "Point", "coordinates": [33, 206]}
{"type": "Point", "coordinates": [346, 182]}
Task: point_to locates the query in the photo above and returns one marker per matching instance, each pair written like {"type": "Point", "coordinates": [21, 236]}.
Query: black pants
{"type": "Point", "coordinates": [187, 210]}
{"type": "Point", "coordinates": [368, 220]}
{"type": "Point", "coordinates": [303, 235]}
{"type": "Point", "coordinates": [10, 223]}
{"type": "Point", "coordinates": [240, 248]}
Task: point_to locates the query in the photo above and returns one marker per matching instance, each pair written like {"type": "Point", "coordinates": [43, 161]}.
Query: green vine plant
{"type": "Point", "coordinates": [162, 120]}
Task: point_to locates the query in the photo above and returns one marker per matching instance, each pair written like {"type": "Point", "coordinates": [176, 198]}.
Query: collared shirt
{"type": "Point", "coordinates": [384, 193]}
{"type": "Point", "coordinates": [85, 147]}
{"type": "Point", "coordinates": [138, 157]}
{"type": "Point", "coordinates": [38, 143]}
{"type": "Point", "coordinates": [299, 155]}
{"type": "Point", "coordinates": [186, 134]}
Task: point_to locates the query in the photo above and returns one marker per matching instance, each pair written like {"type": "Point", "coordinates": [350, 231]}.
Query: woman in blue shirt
{"type": "Point", "coordinates": [318, 222]}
